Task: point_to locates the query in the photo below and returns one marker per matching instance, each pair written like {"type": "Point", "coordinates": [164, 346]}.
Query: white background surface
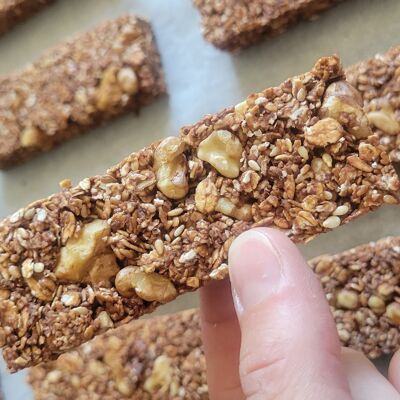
{"type": "Point", "coordinates": [201, 80]}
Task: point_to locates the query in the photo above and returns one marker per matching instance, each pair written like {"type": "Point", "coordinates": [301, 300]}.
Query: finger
{"type": "Point", "coordinates": [221, 339]}
{"type": "Point", "coordinates": [289, 348]}
{"type": "Point", "coordinates": [365, 381]}
{"type": "Point", "coordinates": [394, 370]}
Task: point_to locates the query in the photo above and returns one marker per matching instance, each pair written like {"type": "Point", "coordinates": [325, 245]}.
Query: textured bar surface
{"type": "Point", "coordinates": [14, 11]}
{"type": "Point", "coordinates": [160, 223]}
{"type": "Point", "coordinates": [378, 80]}
{"type": "Point", "coordinates": [234, 24]}
{"type": "Point", "coordinates": [363, 286]}
{"type": "Point", "coordinates": [79, 84]}
{"type": "Point", "coordinates": [158, 359]}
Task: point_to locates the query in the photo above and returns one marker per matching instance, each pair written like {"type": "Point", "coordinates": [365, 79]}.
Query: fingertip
{"type": "Point", "coordinates": [394, 370]}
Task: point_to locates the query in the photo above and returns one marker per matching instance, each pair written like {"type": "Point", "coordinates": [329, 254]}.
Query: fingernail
{"type": "Point", "coordinates": [255, 269]}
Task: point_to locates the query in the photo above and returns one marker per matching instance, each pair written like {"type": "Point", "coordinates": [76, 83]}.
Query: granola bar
{"type": "Point", "coordinates": [161, 358]}
{"type": "Point", "coordinates": [235, 24]}
{"type": "Point", "coordinates": [81, 83]}
{"type": "Point", "coordinates": [362, 286]}
{"type": "Point", "coordinates": [378, 81]}
{"type": "Point", "coordinates": [298, 157]}
{"type": "Point", "coordinates": [14, 11]}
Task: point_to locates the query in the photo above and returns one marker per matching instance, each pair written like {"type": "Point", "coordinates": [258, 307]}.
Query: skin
{"type": "Point", "coordinates": [269, 334]}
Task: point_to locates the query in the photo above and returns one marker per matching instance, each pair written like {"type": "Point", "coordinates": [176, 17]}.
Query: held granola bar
{"type": "Point", "coordinates": [14, 11]}
{"type": "Point", "coordinates": [157, 359]}
{"type": "Point", "coordinates": [298, 157]}
{"type": "Point", "coordinates": [111, 70]}
{"type": "Point", "coordinates": [362, 286]}
{"type": "Point", "coordinates": [235, 24]}
{"type": "Point", "coordinates": [378, 81]}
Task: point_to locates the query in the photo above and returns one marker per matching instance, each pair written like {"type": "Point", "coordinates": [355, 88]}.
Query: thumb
{"type": "Point", "coordinates": [289, 346]}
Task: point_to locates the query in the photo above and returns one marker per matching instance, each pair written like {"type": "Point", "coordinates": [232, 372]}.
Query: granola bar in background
{"type": "Point", "coordinates": [362, 286]}
{"type": "Point", "coordinates": [13, 12]}
{"type": "Point", "coordinates": [378, 81]}
{"type": "Point", "coordinates": [235, 24]}
{"type": "Point", "coordinates": [299, 157]}
{"type": "Point", "coordinates": [77, 85]}
{"type": "Point", "coordinates": [157, 359]}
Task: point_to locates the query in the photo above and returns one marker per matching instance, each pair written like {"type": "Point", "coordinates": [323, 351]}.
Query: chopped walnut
{"type": "Point", "coordinates": [226, 207]}
{"type": "Point", "coordinates": [223, 151]}
{"type": "Point", "coordinates": [82, 253]}
{"type": "Point", "coordinates": [31, 137]}
{"type": "Point", "coordinates": [149, 286]}
{"type": "Point", "coordinates": [342, 102]}
{"type": "Point", "coordinates": [206, 196]}
{"type": "Point", "coordinates": [385, 121]}
{"type": "Point", "coordinates": [324, 132]}
{"type": "Point", "coordinates": [161, 377]}
{"type": "Point", "coordinates": [109, 92]}
{"type": "Point", "coordinates": [171, 168]}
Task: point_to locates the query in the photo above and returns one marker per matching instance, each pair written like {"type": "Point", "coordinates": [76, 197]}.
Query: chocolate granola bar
{"type": "Point", "coordinates": [79, 84]}
{"type": "Point", "coordinates": [362, 286]}
{"type": "Point", "coordinates": [155, 359]}
{"type": "Point", "coordinates": [234, 24]}
{"type": "Point", "coordinates": [14, 11]}
{"type": "Point", "coordinates": [298, 157]}
{"type": "Point", "coordinates": [378, 81]}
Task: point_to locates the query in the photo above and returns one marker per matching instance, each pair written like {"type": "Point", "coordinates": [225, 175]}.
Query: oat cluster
{"type": "Point", "coordinates": [378, 81]}
{"type": "Point", "coordinates": [298, 157]}
{"type": "Point", "coordinates": [235, 24]}
{"type": "Point", "coordinates": [79, 84]}
{"type": "Point", "coordinates": [155, 359]}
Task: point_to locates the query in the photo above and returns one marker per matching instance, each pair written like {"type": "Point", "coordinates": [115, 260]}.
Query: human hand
{"type": "Point", "coordinates": [276, 340]}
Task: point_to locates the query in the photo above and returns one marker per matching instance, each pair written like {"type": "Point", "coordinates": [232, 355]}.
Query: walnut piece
{"type": "Point", "coordinates": [171, 168]}
{"type": "Point", "coordinates": [206, 196]}
{"type": "Point", "coordinates": [223, 151]}
{"type": "Point", "coordinates": [324, 132]}
{"type": "Point", "coordinates": [43, 289]}
{"type": "Point", "coordinates": [342, 102]}
{"type": "Point", "coordinates": [86, 256]}
{"type": "Point", "coordinates": [161, 376]}
{"type": "Point", "coordinates": [109, 92]}
{"type": "Point", "coordinates": [30, 137]}
{"type": "Point", "coordinates": [128, 80]}
{"type": "Point", "coordinates": [385, 121]}
{"type": "Point", "coordinates": [103, 270]}
{"type": "Point", "coordinates": [149, 286]}
{"type": "Point", "coordinates": [226, 207]}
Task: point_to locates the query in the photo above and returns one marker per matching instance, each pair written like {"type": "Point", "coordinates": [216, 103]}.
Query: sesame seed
{"type": "Point", "coordinates": [341, 210]}
{"type": "Point", "coordinates": [254, 165]}
{"type": "Point", "coordinates": [159, 246]}
{"type": "Point", "coordinates": [175, 212]}
{"type": "Point", "coordinates": [179, 230]}
{"type": "Point", "coordinates": [331, 222]}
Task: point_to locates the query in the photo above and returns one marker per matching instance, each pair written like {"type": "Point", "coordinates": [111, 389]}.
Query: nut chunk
{"type": "Point", "coordinates": [86, 251]}
{"type": "Point", "coordinates": [77, 85]}
{"type": "Point", "coordinates": [160, 223]}
{"type": "Point", "coordinates": [171, 168]}
{"type": "Point", "coordinates": [378, 80]}
{"type": "Point", "coordinates": [223, 151]}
